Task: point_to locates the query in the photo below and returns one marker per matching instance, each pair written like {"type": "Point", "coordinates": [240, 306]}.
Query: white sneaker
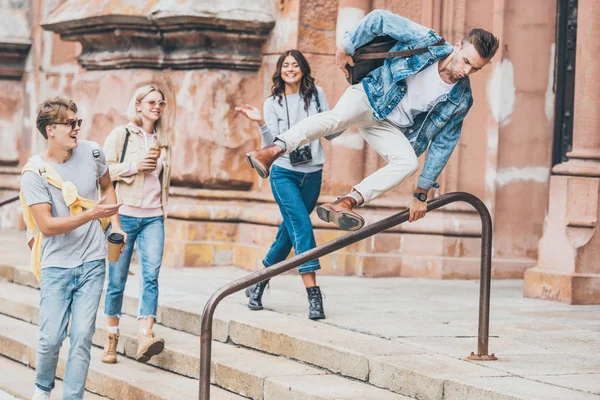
{"type": "Point", "coordinates": [40, 394]}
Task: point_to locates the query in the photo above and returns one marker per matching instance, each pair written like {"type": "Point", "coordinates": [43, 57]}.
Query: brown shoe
{"type": "Point", "coordinates": [148, 346]}
{"type": "Point", "coordinates": [110, 349]}
{"type": "Point", "coordinates": [261, 160]}
{"type": "Point", "coordinates": [340, 213]}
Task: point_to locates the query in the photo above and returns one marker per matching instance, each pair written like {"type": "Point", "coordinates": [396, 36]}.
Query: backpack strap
{"type": "Point", "coordinates": [96, 156]}
{"type": "Point", "coordinates": [125, 143]}
{"type": "Point", "coordinates": [405, 53]}
{"type": "Point", "coordinates": [123, 151]}
{"type": "Point", "coordinates": [41, 166]}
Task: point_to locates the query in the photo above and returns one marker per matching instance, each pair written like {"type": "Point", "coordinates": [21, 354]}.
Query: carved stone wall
{"type": "Point", "coordinates": [211, 56]}
{"type": "Point", "coordinates": [164, 34]}
{"type": "Point", "coordinates": [15, 38]}
{"type": "Point", "coordinates": [568, 269]}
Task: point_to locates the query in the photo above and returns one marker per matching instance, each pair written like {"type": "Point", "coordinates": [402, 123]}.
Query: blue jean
{"type": "Point", "coordinates": [150, 236]}
{"type": "Point", "coordinates": [68, 293]}
{"type": "Point", "coordinates": [296, 194]}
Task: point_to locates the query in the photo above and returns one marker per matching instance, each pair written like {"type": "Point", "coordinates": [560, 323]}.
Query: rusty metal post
{"type": "Point", "coordinates": [485, 277]}
{"type": "Point", "coordinates": [344, 241]}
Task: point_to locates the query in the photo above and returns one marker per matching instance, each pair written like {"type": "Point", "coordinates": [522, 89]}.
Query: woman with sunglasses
{"type": "Point", "coordinates": [138, 157]}
{"type": "Point", "coordinates": [295, 179]}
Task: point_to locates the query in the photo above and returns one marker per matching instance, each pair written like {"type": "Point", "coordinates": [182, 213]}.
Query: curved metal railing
{"type": "Point", "coordinates": [8, 200]}
{"type": "Point", "coordinates": [334, 245]}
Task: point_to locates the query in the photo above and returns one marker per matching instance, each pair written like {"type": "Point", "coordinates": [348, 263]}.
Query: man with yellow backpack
{"type": "Point", "coordinates": [66, 221]}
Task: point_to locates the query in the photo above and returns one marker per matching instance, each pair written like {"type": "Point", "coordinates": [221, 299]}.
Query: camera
{"type": "Point", "coordinates": [301, 155]}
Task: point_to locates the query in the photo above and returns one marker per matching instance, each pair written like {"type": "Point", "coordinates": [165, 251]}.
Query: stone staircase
{"type": "Point", "coordinates": [270, 355]}
{"type": "Point", "coordinates": [247, 362]}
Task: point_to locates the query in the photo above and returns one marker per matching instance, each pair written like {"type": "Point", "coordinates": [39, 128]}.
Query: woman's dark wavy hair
{"type": "Point", "coordinates": [307, 84]}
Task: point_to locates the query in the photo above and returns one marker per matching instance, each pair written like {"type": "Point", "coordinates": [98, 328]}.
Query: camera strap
{"type": "Point", "coordinates": [318, 103]}
{"type": "Point", "coordinates": [287, 111]}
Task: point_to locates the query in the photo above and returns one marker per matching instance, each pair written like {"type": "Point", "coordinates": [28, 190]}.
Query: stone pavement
{"type": "Point", "coordinates": [545, 350]}
{"type": "Point", "coordinates": [6, 396]}
{"type": "Point", "coordinates": [535, 341]}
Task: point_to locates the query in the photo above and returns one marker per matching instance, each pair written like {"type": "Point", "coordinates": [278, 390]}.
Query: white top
{"type": "Point", "coordinates": [422, 91]}
{"type": "Point", "coordinates": [276, 123]}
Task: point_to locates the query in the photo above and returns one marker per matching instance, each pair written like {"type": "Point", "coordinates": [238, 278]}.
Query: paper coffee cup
{"type": "Point", "coordinates": [115, 243]}
{"type": "Point", "coordinates": [154, 152]}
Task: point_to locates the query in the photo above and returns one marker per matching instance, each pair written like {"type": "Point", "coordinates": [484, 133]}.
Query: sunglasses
{"type": "Point", "coordinates": [153, 103]}
{"type": "Point", "coordinates": [74, 123]}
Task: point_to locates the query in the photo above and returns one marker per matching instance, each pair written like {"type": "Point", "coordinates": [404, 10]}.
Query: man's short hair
{"type": "Point", "coordinates": [52, 111]}
{"type": "Point", "coordinates": [484, 42]}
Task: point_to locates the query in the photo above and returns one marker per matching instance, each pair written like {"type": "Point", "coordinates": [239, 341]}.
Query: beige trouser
{"type": "Point", "coordinates": [353, 109]}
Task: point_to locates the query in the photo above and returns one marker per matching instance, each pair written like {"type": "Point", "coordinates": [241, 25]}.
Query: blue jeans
{"type": "Point", "coordinates": [296, 194]}
{"type": "Point", "coordinates": [68, 293]}
{"type": "Point", "coordinates": [150, 236]}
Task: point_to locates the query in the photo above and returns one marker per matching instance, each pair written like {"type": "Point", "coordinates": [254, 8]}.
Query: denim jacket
{"type": "Point", "coordinates": [385, 87]}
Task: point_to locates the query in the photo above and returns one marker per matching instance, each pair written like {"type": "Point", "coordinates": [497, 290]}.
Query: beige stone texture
{"type": "Point", "coordinates": [316, 26]}
{"type": "Point", "coordinates": [568, 268]}
{"type": "Point", "coordinates": [397, 335]}
{"type": "Point", "coordinates": [223, 214]}
{"type": "Point", "coordinates": [11, 114]}
{"type": "Point", "coordinates": [16, 381]}
{"type": "Point", "coordinates": [324, 387]}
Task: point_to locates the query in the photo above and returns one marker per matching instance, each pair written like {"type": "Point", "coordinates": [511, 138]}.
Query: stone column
{"type": "Point", "coordinates": [568, 267]}
{"type": "Point", "coordinates": [15, 44]}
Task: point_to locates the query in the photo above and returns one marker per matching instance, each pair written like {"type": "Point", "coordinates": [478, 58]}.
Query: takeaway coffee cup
{"type": "Point", "coordinates": [115, 243]}
{"type": "Point", "coordinates": [154, 152]}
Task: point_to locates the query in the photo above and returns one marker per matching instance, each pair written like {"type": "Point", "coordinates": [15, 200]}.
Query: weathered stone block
{"type": "Point", "coordinates": [162, 35]}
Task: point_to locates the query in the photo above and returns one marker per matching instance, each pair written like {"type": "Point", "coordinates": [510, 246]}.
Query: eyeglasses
{"type": "Point", "coordinates": [153, 103]}
{"type": "Point", "coordinates": [74, 123]}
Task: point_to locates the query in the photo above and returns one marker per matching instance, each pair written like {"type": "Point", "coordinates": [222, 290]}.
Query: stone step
{"type": "Point", "coordinates": [414, 371]}
{"type": "Point", "coordinates": [234, 368]}
{"type": "Point", "coordinates": [6, 396]}
{"type": "Point", "coordinates": [17, 381]}
{"type": "Point", "coordinates": [124, 380]}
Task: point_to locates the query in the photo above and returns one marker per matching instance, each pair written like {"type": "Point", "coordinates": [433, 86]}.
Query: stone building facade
{"type": "Point", "coordinates": [211, 56]}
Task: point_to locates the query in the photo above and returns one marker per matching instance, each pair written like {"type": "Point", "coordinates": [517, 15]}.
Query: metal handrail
{"type": "Point", "coordinates": [353, 237]}
{"type": "Point", "coordinates": [8, 200]}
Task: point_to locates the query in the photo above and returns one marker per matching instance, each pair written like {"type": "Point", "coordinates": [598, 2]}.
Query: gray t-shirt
{"type": "Point", "coordinates": [276, 123]}
{"type": "Point", "coordinates": [86, 243]}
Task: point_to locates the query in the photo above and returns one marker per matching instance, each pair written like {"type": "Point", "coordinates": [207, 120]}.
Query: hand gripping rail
{"type": "Point", "coordinates": [334, 245]}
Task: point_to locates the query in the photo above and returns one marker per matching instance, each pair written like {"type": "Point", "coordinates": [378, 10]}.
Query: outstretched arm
{"type": "Point", "coordinates": [439, 153]}
{"type": "Point", "coordinates": [52, 226]}
{"type": "Point", "coordinates": [268, 126]}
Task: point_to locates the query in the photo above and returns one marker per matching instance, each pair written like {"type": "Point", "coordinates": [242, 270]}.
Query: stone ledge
{"type": "Point", "coordinates": [12, 58]}
{"type": "Point", "coordinates": [16, 381]}
{"type": "Point", "coordinates": [570, 288]}
{"type": "Point", "coordinates": [15, 41]}
{"type": "Point", "coordinates": [187, 35]}
{"type": "Point", "coordinates": [384, 202]}
{"type": "Point", "coordinates": [232, 210]}
{"type": "Point", "coordinates": [221, 243]}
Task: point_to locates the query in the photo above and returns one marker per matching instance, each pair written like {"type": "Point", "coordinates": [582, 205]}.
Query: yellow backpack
{"type": "Point", "coordinates": [75, 203]}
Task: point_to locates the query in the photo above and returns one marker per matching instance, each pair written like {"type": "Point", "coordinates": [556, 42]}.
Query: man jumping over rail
{"type": "Point", "coordinates": [408, 105]}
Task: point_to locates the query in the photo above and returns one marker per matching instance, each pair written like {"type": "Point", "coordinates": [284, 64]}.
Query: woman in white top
{"type": "Point", "coordinates": [295, 179]}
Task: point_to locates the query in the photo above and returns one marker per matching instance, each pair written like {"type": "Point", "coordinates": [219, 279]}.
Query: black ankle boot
{"type": "Point", "coordinates": [254, 294]}
{"type": "Point", "coordinates": [315, 303]}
